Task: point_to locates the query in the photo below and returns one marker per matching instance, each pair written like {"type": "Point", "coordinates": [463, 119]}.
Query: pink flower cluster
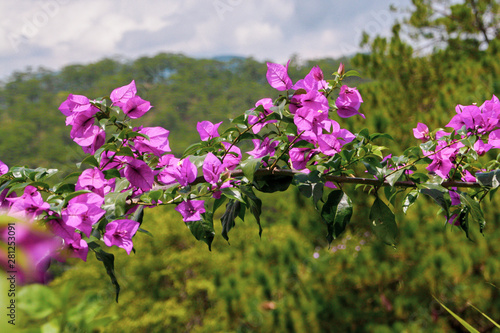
{"type": "Point", "coordinates": [482, 122]}
{"type": "Point", "coordinates": [310, 108]}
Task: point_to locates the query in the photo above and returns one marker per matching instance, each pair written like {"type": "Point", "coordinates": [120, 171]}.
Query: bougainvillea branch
{"type": "Point", "coordinates": [297, 142]}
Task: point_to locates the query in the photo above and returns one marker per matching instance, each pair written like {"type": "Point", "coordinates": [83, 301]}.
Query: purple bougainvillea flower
{"type": "Point", "coordinates": [61, 229]}
{"type": "Point", "coordinates": [4, 203]}
{"type": "Point", "coordinates": [313, 100]}
{"type": "Point", "coordinates": [29, 205]}
{"type": "Point", "coordinates": [454, 220]}
{"type": "Point", "coordinates": [455, 197]}
{"type": "Point", "coordinates": [494, 138]}
{"type": "Point", "coordinates": [136, 107]}
{"type": "Point", "coordinates": [470, 117]}
{"type": "Point", "coordinates": [77, 106]}
{"type": "Point", "coordinates": [421, 132]}
{"type": "Point", "coordinates": [80, 124]}
{"type": "Point", "coordinates": [348, 102]}
{"type": "Point", "coordinates": [120, 96]}
{"type": "Point", "coordinates": [77, 247]}
{"type": "Point", "coordinates": [120, 233]}
{"type": "Point", "coordinates": [313, 81]}
{"type": "Point", "coordinates": [328, 144]}
{"type": "Point", "coordinates": [442, 162]}
{"type": "Point", "coordinates": [91, 179]}
{"type": "Point", "coordinates": [191, 210]}
{"type": "Point", "coordinates": [170, 164]}
{"type": "Point", "coordinates": [212, 168]}
{"type": "Point", "coordinates": [82, 216]}
{"type": "Point", "coordinates": [92, 139]}
{"type": "Point", "coordinates": [468, 177]}
{"type": "Point", "coordinates": [186, 172]}
{"type": "Point", "coordinates": [263, 148]}
{"type": "Point", "coordinates": [34, 247]}
{"type": "Point", "coordinates": [299, 157]}
{"type": "Point", "coordinates": [277, 76]}
{"type": "Point", "coordinates": [116, 162]}
{"type": "Point", "coordinates": [157, 144]}
{"type": "Point", "coordinates": [207, 130]}
{"type": "Point", "coordinates": [3, 168]}
{"type": "Point", "coordinates": [232, 158]}
{"type": "Point", "coordinates": [481, 148]}
{"type": "Point", "coordinates": [267, 104]}
{"type": "Point", "coordinates": [83, 212]}
{"type": "Point", "coordinates": [139, 174]}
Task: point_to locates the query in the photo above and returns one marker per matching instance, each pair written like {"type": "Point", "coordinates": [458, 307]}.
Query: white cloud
{"type": "Point", "coordinates": [53, 33]}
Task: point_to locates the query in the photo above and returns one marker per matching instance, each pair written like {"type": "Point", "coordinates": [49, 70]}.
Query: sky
{"type": "Point", "coordinates": [56, 33]}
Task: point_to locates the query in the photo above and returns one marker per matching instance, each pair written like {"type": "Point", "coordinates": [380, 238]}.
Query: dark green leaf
{"type": "Point", "coordinates": [249, 166]}
{"type": "Point", "coordinates": [474, 209]}
{"type": "Point", "coordinates": [272, 183]}
{"type": "Point", "coordinates": [108, 260]}
{"type": "Point", "coordinates": [336, 213]}
{"type": "Point", "coordinates": [254, 204]}
{"type": "Point", "coordinates": [489, 179]}
{"type": "Point", "coordinates": [232, 193]}
{"type": "Point", "coordinates": [381, 135]}
{"type": "Point", "coordinates": [233, 208]}
{"type": "Point", "coordinates": [218, 203]}
{"type": "Point", "coordinates": [310, 185]}
{"type": "Point", "coordinates": [383, 222]}
{"type": "Point", "coordinates": [394, 177]}
{"type": "Point", "coordinates": [410, 199]}
{"type": "Point", "coordinates": [203, 230]}
{"type": "Point", "coordinates": [115, 203]}
{"type": "Point", "coordinates": [111, 173]}
{"type": "Point", "coordinates": [90, 160]}
{"type": "Point", "coordinates": [437, 193]}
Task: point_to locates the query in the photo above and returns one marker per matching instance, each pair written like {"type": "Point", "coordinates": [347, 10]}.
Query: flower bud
{"type": "Point", "coordinates": [341, 69]}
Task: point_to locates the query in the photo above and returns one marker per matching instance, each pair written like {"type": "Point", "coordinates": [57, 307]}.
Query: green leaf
{"type": "Point", "coordinates": [474, 209]}
{"type": "Point", "coordinates": [233, 208]}
{"type": "Point", "coordinates": [491, 320]}
{"type": "Point", "coordinates": [72, 175]}
{"type": "Point", "coordinates": [383, 222]}
{"type": "Point", "coordinates": [352, 72]}
{"type": "Point", "coordinates": [410, 199]}
{"type": "Point", "coordinates": [363, 134]}
{"type": "Point", "coordinates": [232, 193]}
{"type": "Point", "coordinates": [218, 203]}
{"type": "Point", "coordinates": [125, 151]}
{"type": "Point", "coordinates": [111, 173]}
{"type": "Point", "coordinates": [115, 203]}
{"type": "Point", "coordinates": [139, 214]}
{"type": "Point", "coordinates": [394, 177]}
{"type": "Point", "coordinates": [249, 166]}
{"type": "Point", "coordinates": [489, 179]}
{"type": "Point", "coordinates": [336, 213]}
{"type": "Point", "coordinates": [203, 230]}
{"type": "Point", "coordinates": [460, 320]}
{"type": "Point", "coordinates": [381, 135]}
{"type": "Point", "coordinates": [272, 183]}
{"type": "Point", "coordinates": [419, 177]}
{"type": "Point", "coordinates": [90, 160]}
{"type": "Point", "coordinates": [373, 166]}
{"type": "Point", "coordinates": [310, 185]}
{"type": "Point", "coordinates": [254, 204]}
{"type": "Point", "coordinates": [437, 193]}
{"type": "Point", "coordinates": [108, 261]}
{"type": "Point", "coordinates": [74, 195]}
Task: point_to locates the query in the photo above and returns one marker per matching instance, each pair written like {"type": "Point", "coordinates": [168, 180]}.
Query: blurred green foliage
{"type": "Point", "coordinates": [290, 280]}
